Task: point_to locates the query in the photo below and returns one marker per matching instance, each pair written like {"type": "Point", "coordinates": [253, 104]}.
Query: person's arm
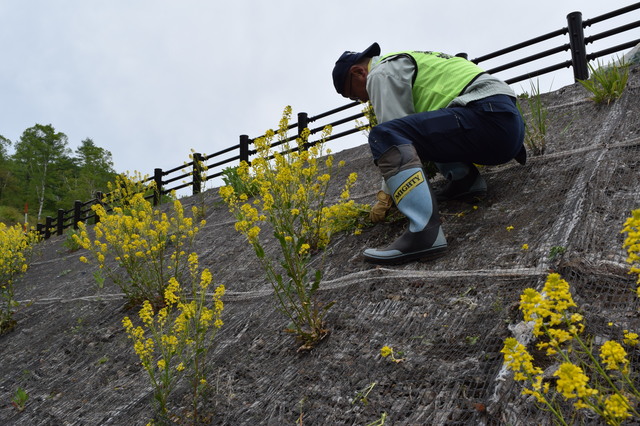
{"type": "Point", "coordinates": [389, 85]}
{"type": "Point", "coordinates": [390, 90]}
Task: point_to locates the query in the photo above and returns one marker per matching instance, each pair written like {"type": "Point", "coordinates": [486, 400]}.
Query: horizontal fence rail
{"type": "Point", "coordinates": [195, 172]}
{"type": "Point", "coordinates": [577, 45]}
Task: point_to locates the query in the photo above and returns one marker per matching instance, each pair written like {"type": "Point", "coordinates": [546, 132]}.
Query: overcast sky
{"type": "Point", "coordinates": [149, 80]}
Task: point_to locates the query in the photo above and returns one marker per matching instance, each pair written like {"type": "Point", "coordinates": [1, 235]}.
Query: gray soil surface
{"type": "Point", "coordinates": [449, 316]}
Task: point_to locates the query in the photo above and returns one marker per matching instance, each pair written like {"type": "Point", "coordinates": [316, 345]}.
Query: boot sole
{"type": "Point", "coordinates": [409, 257]}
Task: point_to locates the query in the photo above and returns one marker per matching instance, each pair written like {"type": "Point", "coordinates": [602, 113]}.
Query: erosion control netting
{"type": "Point", "coordinates": [449, 317]}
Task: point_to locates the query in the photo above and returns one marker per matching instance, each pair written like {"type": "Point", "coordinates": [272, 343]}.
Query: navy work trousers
{"type": "Point", "coordinates": [489, 131]}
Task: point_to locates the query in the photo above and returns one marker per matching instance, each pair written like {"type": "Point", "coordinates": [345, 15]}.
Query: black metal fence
{"type": "Point", "coordinates": [196, 172]}
{"type": "Point", "coordinates": [577, 45]}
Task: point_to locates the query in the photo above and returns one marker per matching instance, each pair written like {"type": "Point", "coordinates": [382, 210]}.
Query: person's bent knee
{"type": "Point", "coordinates": [382, 137]}
{"type": "Point", "coordinates": [398, 158]}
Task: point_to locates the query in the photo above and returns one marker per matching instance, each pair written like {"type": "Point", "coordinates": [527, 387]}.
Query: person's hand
{"type": "Point", "coordinates": [381, 207]}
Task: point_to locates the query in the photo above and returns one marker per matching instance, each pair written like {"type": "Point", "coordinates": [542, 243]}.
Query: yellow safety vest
{"type": "Point", "coordinates": [439, 78]}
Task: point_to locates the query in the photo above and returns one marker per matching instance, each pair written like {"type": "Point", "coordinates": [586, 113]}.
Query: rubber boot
{"type": "Point", "coordinates": [464, 183]}
{"type": "Point", "coordinates": [409, 187]}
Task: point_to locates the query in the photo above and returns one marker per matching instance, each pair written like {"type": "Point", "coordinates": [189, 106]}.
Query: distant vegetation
{"type": "Point", "coordinates": [44, 173]}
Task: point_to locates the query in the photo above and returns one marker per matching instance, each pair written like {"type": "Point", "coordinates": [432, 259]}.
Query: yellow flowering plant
{"type": "Point", "coordinates": [16, 247]}
{"type": "Point", "coordinates": [231, 178]}
{"type": "Point", "coordinates": [291, 196]}
{"type": "Point", "coordinates": [388, 352]}
{"type": "Point", "coordinates": [172, 342]}
{"type": "Point", "coordinates": [596, 380]}
{"type": "Point", "coordinates": [370, 116]}
{"type": "Point", "coordinates": [198, 171]}
{"type": "Point", "coordinates": [632, 244]}
{"type": "Point", "coordinates": [140, 248]}
{"type": "Point", "coordinates": [200, 167]}
{"type": "Point", "coordinates": [124, 187]}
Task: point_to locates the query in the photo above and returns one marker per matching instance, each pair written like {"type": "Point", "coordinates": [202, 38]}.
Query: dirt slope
{"type": "Point", "coordinates": [449, 317]}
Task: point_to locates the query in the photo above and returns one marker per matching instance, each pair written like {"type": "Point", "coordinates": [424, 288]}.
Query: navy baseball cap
{"type": "Point", "coordinates": [346, 61]}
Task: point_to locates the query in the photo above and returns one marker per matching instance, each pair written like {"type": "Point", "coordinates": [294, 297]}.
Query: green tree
{"type": "Point", "coordinates": [96, 165]}
{"type": "Point", "coordinates": [41, 156]}
{"type": "Point", "coordinates": [92, 170]}
{"type": "Point", "coordinates": [4, 143]}
{"type": "Point", "coordinates": [9, 212]}
{"type": "Point", "coordinates": [4, 167]}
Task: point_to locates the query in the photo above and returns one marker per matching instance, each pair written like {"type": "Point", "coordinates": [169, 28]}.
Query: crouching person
{"type": "Point", "coordinates": [430, 107]}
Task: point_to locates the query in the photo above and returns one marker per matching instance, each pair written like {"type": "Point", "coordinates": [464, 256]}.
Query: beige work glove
{"type": "Point", "coordinates": [381, 207]}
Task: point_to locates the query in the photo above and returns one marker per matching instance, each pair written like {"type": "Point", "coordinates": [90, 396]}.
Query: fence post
{"type": "Point", "coordinates": [77, 213]}
{"type": "Point", "coordinates": [157, 192]}
{"type": "Point", "coordinates": [244, 148]}
{"type": "Point", "coordinates": [198, 159]}
{"type": "Point", "coordinates": [578, 48]}
{"type": "Point", "coordinates": [60, 222]}
{"type": "Point", "coordinates": [48, 226]}
{"type": "Point", "coordinates": [303, 123]}
{"type": "Point", "coordinates": [99, 196]}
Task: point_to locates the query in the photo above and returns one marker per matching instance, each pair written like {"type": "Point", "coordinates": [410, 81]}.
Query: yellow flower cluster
{"type": "Point", "coordinates": [387, 352]}
{"type": "Point", "coordinates": [124, 186]}
{"type": "Point", "coordinates": [372, 120]}
{"type": "Point", "coordinates": [549, 312]}
{"type": "Point", "coordinates": [15, 248]}
{"type": "Point", "coordinates": [573, 383]}
{"type": "Point", "coordinates": [174, 338]}
{"type": "Point", "coordinates": [630, 339]}
{"type": "Point", "coordinates": [15, 252]}
{"type": "Point", "coordinates": [614, 356]}
{"type": "Point", "coordinates": [632, 243]}
{"type": "Point", "coordinates": [342, 217]}
{"type": "Point", "coordinates": [143, 346]}
{"type": "Point", "coordinates": [292, 191]}
{"type": "Point", "coordinates": [613, 397]}
{"type": "Point", "coordinates": [520, 361]}
{"type": "Point", "coordinates": [616, 408]}
{"type": "Point", "coordinates": [140, 240]}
